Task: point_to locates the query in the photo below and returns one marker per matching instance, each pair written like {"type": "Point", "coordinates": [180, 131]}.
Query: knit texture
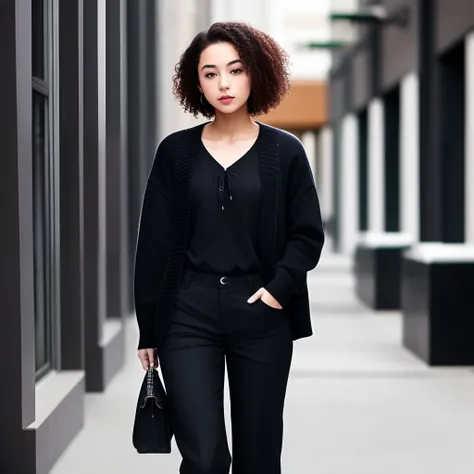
{"type": "Point", "coordinates": [291, 233]}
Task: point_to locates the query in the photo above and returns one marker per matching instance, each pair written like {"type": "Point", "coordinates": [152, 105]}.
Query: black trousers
{"type": "Point", "coordinates": [213, 324]}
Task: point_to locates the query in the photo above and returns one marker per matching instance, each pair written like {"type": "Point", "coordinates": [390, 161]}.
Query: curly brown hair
{"type": "Point", "coordinates": [267, 63]}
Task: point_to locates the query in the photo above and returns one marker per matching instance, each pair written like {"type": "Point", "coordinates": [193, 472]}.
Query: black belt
{"type": "Point", "coordinates": [219, 280]}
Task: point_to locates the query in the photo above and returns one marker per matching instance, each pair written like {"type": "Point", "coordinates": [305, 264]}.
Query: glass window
{"type": "Point", "coordinates": [43, 188]}
{"type": "Point", "coordinates": [41, 219]}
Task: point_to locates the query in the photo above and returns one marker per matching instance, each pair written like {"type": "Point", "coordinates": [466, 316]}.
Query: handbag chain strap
{"type": "Point", "coordinates": [149, 382]}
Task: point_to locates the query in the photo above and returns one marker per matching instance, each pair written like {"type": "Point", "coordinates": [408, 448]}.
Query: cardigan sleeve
{"type": "Point", "coordinates": [154, 237]}
{"type": "Point", "coordinates": [305, 235]}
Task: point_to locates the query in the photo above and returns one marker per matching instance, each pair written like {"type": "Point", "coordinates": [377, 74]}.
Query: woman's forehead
{"type": "Point", "coordinates": [219, 55]}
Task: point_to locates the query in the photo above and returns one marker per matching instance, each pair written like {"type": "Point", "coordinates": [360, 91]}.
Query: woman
{"type": "Point", "coordinates": [230, 227]}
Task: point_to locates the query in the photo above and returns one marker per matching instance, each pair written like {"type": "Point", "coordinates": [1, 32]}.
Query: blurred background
{"type": "Point", "coordinates": [383, 100]}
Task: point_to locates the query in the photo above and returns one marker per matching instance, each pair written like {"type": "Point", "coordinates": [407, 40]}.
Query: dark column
{"type": "Point", "coordinates": [126, 284]}
{"type": "Point", "coordinates": [430, 157]}
{"type": "Point", "coordinates": [452, 132]}
{"type": "Point", "coordinates": [17, 345]}
{"type": "Point", "coordinates": [103, 202]}
{"type": "Point", "coordinates": [374, 38]}
{"type": "Point", "coordinates": [142, 84]}
{"type": "Point", "coordinates": [441, 134]}
{"type": "Point", "coordinates": [363, 171]}
{"type": "Point", "coordinates": [436, 291]}
{"type": "Point", "coordinates": [150, 74]}
{"type": "Point", "coordinates": [93, 219]}
{"type": "Point", "coordinates": [71, 185]}
{"type": "Point", "coordinates": [392, 160]}
{"type": "Point", "coordinates": [135, 159]}
{"type": "Point", "coordinates": [117, 201]}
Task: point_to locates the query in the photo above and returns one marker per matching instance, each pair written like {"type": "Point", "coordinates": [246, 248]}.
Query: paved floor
{"type": "Point", "coordinates": [357, 402]}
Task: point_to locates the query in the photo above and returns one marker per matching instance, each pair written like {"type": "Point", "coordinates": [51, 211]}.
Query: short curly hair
{"type": "Point", "coordinates": [266, 61]}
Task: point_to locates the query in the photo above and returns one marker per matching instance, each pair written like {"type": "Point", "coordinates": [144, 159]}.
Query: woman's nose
{"type": "Point", "coordinates": [224, 84]}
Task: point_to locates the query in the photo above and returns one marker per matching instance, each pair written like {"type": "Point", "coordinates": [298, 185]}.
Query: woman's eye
{"type": "Point", "coordinates": [210, 74]}
{"type": "Point", "coordinates": [237, 71]}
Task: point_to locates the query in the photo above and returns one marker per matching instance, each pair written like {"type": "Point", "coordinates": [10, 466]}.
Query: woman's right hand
{"type": "Point", "coordinates": [147, 357]}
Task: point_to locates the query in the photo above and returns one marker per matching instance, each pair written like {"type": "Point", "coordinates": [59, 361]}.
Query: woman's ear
{"type": "Point", "coordinates": [200, 89]}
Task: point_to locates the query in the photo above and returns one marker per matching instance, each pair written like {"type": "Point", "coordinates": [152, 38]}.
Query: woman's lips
{"type": "Point", "coordinates": [226, 100]}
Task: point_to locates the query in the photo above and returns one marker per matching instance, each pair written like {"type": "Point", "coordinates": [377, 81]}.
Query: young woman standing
{"type": "Point", "coordinates": [230, 227]}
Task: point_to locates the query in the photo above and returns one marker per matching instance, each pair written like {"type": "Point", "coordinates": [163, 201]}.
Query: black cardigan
{"type": "Point", "coordinates": [291, 232]}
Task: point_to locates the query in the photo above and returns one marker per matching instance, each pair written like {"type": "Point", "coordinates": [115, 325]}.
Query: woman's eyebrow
{"type": "Point", "coordinates": [210, 66]}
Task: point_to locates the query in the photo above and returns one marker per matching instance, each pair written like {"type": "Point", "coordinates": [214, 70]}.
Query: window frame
{"type": "Point", "coordinates": [48, 89]}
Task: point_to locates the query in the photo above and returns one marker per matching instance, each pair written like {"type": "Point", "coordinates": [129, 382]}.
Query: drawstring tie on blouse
{"type": "Point", "coordinates": [222, 189]}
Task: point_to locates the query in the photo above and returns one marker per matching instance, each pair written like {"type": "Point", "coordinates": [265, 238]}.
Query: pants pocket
{"type": "Point", "coordinates": [270, 308]}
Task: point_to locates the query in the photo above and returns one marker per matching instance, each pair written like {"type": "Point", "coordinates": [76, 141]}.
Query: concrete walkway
{"type": "Point", "coordinates": [357, 402]}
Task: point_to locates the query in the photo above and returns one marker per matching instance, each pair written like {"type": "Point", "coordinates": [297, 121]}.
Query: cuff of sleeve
{"type": "Point", "coordinates": [281, 287]}
{"type": "Point", "coordinates": [146, 342]}
{"type": "Point", "coordinates": [145, 325]}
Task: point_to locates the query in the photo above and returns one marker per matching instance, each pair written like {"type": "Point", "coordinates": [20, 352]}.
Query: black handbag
{"type": "Point", "coordinates": [152, 432]}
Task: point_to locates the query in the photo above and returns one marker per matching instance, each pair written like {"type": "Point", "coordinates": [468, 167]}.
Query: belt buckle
{"type": "Point", "coordinates": [224, 280]}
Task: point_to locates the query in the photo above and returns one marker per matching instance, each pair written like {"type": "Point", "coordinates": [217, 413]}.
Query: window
{"type": "Point", "coordinates": [43, 189]}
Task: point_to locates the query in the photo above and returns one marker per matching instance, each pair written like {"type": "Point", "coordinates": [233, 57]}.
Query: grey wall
{"type": "Point", "coordinates": [338, 95]}
{"type": "Point", "coordinates": [398, 45]}
{"type": "Point", "coordinates": [454, 18]}
{"type": "Point", "coordinates": [361, 83]}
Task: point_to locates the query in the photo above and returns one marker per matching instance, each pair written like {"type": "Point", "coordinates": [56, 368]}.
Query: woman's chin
{"type": "Point", "coordinates": [228, 109]}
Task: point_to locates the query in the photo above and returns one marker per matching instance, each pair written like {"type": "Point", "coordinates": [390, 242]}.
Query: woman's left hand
{"type": "Point", "coordinates": [266, 297]}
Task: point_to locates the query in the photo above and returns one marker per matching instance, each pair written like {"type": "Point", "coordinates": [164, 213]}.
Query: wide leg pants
{"type": "Point", "coordinates": [212, 324]}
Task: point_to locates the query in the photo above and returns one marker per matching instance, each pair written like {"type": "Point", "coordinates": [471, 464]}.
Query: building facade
{"type": "Point", "coordinates": [400, 147]}
{"type": "Point", "coordinates": [402, 168]}
{"type": "Point", "coordinates": [82, 111]}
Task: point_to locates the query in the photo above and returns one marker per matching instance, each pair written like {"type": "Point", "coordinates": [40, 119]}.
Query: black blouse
{"type": "Point", "coordinates": [289, 247]}
{"type": "Point", "coordinates": [225, 215]}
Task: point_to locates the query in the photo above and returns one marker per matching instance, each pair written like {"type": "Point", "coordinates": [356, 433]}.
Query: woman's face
{"type": "Point", "coordinates": [223, 78]}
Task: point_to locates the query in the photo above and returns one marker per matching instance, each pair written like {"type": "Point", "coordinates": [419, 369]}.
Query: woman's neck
{"type": "Point", "coordinates": [231, 127]}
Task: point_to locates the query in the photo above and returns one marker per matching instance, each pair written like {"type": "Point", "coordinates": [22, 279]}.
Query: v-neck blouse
{"type": "Point", "coordinates": [225, 214]}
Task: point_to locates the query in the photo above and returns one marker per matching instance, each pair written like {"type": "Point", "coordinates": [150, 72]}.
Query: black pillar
{"type": "Point", "coordinates": [93, 218]}
{"type": "Point", "coordinates": [429, 151]}
{"type": "Point", "coordinates": [142, 108]}
{"type": "Point", "coordinates": [104, 337]}
{"type": "Point", "coordinates": [392, 159]}
{"type": "Point", "coordinates": [363, 170]}
{"type": "Point", "coordinates": [118, 278]}
{"type": "Point", "coordinates": [452, 132]}
{"type": "Point", "coordinates": [151, 81]}
{"type": "Point", "coordinates": [135, 159]}
{"type": "Point", "coordinates": [71, 185]}
{"type": "Point", "coordinates": [442, 106]}
{"type": "Point", "coordinates": [17, 345]}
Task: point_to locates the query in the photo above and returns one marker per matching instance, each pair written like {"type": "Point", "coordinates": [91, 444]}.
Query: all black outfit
{"type": "Point", "coordinates": [225, 213]}
{"type": "Point", "coordinates": [222, 262]}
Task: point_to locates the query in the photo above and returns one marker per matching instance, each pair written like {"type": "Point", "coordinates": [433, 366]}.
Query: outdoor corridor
{"type": "Point", "coordinates": [357, 402]}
